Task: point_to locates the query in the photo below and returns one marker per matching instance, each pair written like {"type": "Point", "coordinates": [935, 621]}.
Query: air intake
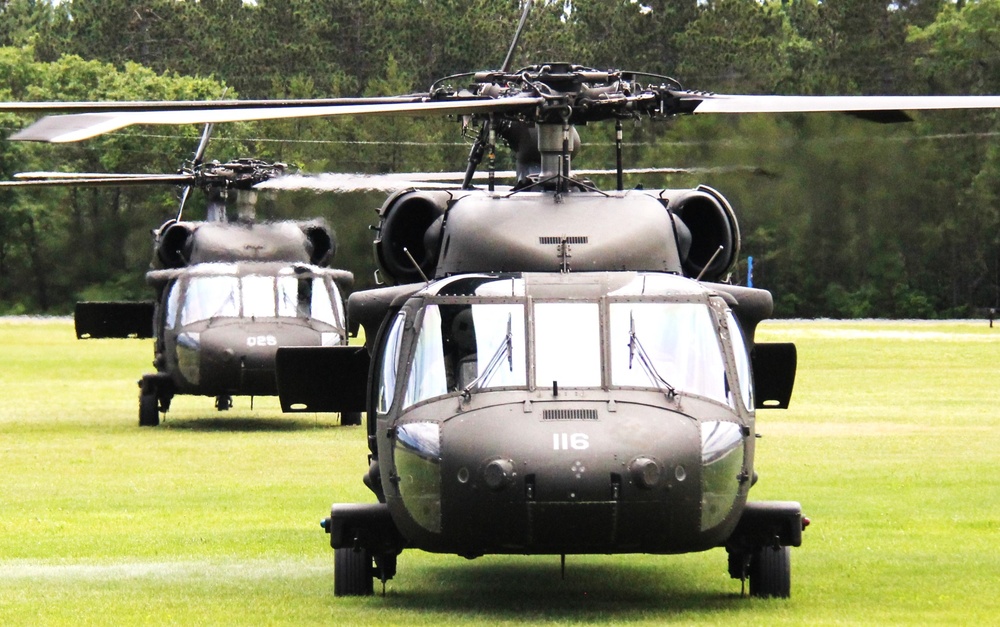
{"type": "Point", "coordinates": [575, 239]}
{"type": "Point", "coordinates": [569, 414]}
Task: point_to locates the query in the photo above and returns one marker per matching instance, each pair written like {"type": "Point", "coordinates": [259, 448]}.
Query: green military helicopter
{"type": "Point", "coordinates": [227, 293]}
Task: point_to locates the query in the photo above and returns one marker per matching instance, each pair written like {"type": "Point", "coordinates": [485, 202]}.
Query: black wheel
{"type": "Point", "coordinates": [771, 572]}
{"type": "Point", "coordinates": [350, 418]}
{"type": "Point", "coordinates": [353, 574]}
{"type": "Point", "coordinates": [149, 410]}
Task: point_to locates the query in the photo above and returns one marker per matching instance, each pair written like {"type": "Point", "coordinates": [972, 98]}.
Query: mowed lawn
{"type": "Point", "coordinates": [892, 445]}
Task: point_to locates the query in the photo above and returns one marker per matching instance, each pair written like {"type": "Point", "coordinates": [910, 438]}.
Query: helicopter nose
{"type": "Point", "coordinates": [511, 480]}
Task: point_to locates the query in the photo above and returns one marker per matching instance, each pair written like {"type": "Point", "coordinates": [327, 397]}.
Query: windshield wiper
{"type": "Point", "coordinates": [506, 348]}
{"type": "Point", "coordinates": [635, 347]}
{"type": "Point", "coordinates": [229, 304]}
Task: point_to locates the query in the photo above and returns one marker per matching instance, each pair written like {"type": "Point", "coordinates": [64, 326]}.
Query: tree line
{"type": "Point", "coordinates": [844, 217]}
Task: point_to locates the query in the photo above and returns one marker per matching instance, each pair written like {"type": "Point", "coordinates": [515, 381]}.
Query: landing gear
{"type": "Point", "coordinates": [353, 572]}
{"type": "Point", "coordinates": [366, 545]}
{"type": "Point", "coordinates": [155, 394]}
{"type": "Point", "coordinates": [223, 402]}
{"type": "Point", "coordinates": [760, 547]}
{"type": "Point", "coordinates": [149, 410]}
{"type": "Point", "coordinates": [771, 572]}
{"type": "Point", "coordinates": [350, 418]}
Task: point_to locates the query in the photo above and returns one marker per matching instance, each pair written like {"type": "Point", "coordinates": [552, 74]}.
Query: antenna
{"type": "Point", "coordinates": [710, 261]}
{"type": "Point", "coordinates": [196, 161]}
{"type": "Point", "coordinates": [517, 36]}
{"type": "Point", "coordinates": [417, 265]}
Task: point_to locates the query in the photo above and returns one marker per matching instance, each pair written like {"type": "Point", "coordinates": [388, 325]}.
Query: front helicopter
{"type": "Point", "coordinates": [563, 385]}
{"type": "Point", "coordinates": [607, 412]}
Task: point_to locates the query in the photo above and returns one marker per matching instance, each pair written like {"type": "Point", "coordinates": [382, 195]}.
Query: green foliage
{"type": "Point", "coordinates": [848, 219]}
{"type": "Point", "coordinates": [737, 46]}
{"type": "Point", "coordinates": [56, 243]}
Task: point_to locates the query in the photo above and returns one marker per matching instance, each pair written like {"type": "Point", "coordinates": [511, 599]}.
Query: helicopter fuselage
{"type": "Point", "coordinates": [218, 326]}
{"type": "Point", "coordinates": [235, 356]}
{"type": "Point", "coordinates": [606, 412]}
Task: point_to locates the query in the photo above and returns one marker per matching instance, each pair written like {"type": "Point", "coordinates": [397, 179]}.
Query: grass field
{"type": "Point", "coordinates": [892, 445]}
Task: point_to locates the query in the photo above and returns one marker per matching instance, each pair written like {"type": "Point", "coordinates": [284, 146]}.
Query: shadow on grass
{"type": "Point", "coordinates": [536, 592]}
{"type": "Point", "coordinates": [247, 424]}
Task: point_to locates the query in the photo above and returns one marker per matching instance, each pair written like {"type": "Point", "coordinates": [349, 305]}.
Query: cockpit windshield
{"type": "Point", "coordinates": [468, 340]}
{"type": "Point", "coordinates": [567, 345]}
{"type": "Point", "coordinates": [680, 341]}
{"type": "Point", "coordinates": [468, 345]}
{"type": "Point", "coordinates": [288, 295]}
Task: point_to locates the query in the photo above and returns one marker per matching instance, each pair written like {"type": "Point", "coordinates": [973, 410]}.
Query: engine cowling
{"type": "Point", "coordinates": [173, 244]}
{"type": "Point", "coordinates": [411, 222]}
{"type": "Point", "coordinates": [709, 229]}
{"type": "Point", "coordinates": [180, 244]}
{"type": "Point", "coordinates": [322, 245]}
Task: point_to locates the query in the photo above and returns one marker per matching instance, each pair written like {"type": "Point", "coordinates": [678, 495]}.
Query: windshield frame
{"type": "Point", "coordinates": [716, 312]}
{"type": "Point", "coordinates": [182, 292]}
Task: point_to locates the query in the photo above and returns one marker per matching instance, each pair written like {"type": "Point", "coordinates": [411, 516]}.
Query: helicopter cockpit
{"type": "Point", "coordinates": [228, 290]}
{"type": "Point", "coordinates": [649, 331]}
{"type": "Point", "coordinates": [219, 325]}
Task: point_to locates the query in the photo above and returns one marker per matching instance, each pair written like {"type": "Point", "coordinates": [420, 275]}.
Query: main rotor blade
{"type": "Point", "coordinates": [96, 179]}
{"type": "Point", "coordinates": [113, 106]}
{"type": "Point", "coordinates": [80, 126]}
{"type": "Point", "coordinates": [509, 174]}
{"type": "Point", "coordinates": [724, 103]}
{"type": "Point", "coordinates": [333, 182]}
{"type": "Point", "coordinates": [197, 159]}
{"type": "Point", "coordinates": [199, 152]}
{"type": "Point", "coordinates": [336, 182]}
{"type": "Point", "coordinates": [691, 170]}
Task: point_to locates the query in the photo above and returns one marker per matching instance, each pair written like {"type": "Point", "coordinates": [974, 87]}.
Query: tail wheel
{"type": "Point", "coordinates": [353, 572]}
{"type": "Point", "coordinates": [350, 418]}
{"type": "Point", "coordinates": [771, 572]}
{"type": "Point", "coordinates": [149, 410]}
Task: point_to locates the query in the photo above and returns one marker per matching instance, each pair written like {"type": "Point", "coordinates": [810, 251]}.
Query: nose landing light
{"type": "Point", "coordinates": [645, 472]}
{"type": "Point", "coordinates": [498, 473]}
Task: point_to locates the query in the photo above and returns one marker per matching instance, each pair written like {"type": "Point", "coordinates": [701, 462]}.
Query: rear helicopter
{"type": "Point", "coordinates": [227, 294]}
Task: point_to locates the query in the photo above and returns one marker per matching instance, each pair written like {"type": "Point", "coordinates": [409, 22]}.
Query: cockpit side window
{"type": "Point", "coordinates": [742, 355]}
{"type": "Point", "coordinates": [173, 303]}
{"type": "Point", "coordinates": [390, 364]}
{"type": "Point", "coordinates": [337, 301]}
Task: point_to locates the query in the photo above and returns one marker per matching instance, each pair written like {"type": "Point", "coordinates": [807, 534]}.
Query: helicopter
{"type": "Point", "coordinates": [227, 294]}
{"type": "Point", "coordinates": [555, 368]}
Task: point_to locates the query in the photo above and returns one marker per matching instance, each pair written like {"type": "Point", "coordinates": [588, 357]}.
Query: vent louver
{"type": "Point", "coordinates": [569, 414]}
{"type": "Point", "coordinates": [575, 239]}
